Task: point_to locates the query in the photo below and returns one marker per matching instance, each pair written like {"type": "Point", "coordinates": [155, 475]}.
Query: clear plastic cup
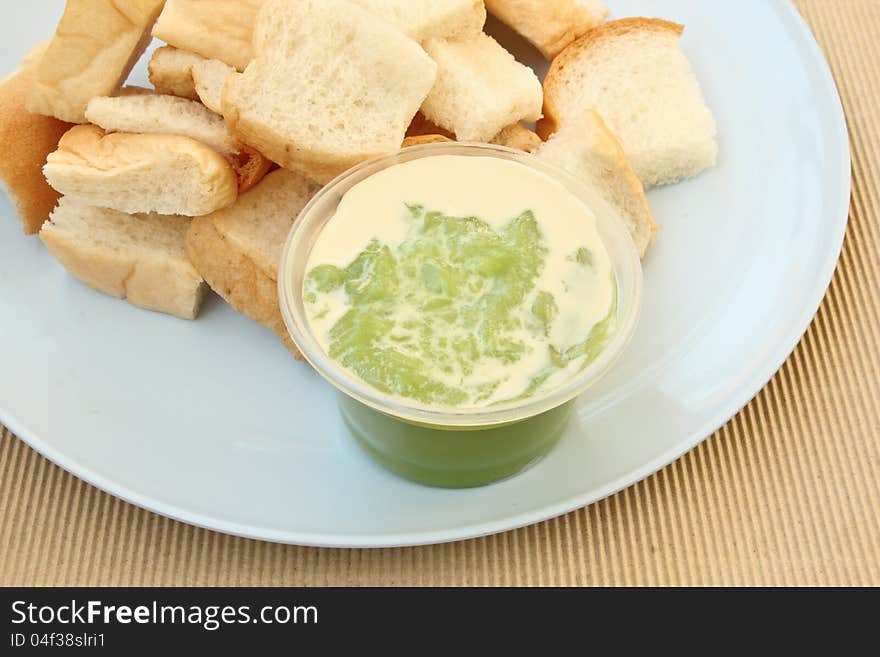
{"type": "Point", "coordinates": [451, 447]}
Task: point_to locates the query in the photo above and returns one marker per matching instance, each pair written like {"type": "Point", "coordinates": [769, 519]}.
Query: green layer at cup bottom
{"type": "Point", "coordinates": [453, 458]}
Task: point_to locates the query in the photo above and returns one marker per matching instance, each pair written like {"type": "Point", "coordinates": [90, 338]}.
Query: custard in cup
{"type": "Point", "coordinates": [460, 297]}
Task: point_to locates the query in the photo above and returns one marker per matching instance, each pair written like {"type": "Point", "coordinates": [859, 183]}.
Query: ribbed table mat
{"type": "Point", "coordinates": [786, 493]}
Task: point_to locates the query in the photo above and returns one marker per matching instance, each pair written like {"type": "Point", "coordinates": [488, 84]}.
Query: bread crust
{"type": "Point", "coordinates": [549, 25]}
{"type": "Point", "coordinates": [550, 122]}
{"type": "Point", "coordinates": [613, 178]}
{"type": "Point", "coordinates": [100, 168]}
{"type": "Point", "coordinates": [163, 114]}
{"type": "Point", "coordinates": [315, 164]}
{"type": "Point", "coordinates": [163, 284]}
{"type": "Point", "coordinates": [94, 49]}
{"type": "Point", "coordinates": [26, 140]}
{"type": "Point", "coordinates": [217, 29]}
{"type": "Point", "coordinates": [519, 137]}
{"type": "Point", "coordinates": [319, 151]}
{"type": "Point", "coordinates": [250, 167]}
{"type": "Point", "coordinates": [236, 277]}
{"type": "Point", "coordinates": [170, 72]}
{"type": "Point", "coordinates": [608, 148]}
{"type": "Point", "coordinates": [424, 139]}
{"type": "Point", "coordinates": [433, 19]}
{"type": "Point", "coordinates": [480, 88]}
{"type": "Point", "coordinates": [209, 77]}
{"type": "Point", "coordinates": [422, 125]}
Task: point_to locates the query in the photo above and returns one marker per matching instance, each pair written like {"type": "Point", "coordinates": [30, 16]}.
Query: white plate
{"type": "Point", "coordinates": [212, 423]}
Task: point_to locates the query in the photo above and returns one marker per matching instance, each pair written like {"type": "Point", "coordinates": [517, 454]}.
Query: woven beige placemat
{"type": "Point", "coordinates": [786, 493]}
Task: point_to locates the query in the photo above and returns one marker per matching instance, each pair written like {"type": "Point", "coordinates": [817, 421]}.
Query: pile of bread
{"type": "Point", "coordinates": [155, 194]}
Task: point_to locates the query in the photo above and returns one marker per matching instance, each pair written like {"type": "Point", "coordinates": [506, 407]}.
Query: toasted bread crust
{"type": "Point", "coordinates": [550, 123]}
{"type": "Point", "coordinates": [424, 139]}
{"type": "Point", "coordinates": [26, 139]}
{"type": "Point", "coordinates": [250, 167]}
{"type": "Point", "coordinates": [236, 278]}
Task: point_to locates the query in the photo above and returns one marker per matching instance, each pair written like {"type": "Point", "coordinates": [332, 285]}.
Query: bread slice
{"type": "Point", "coordinates": [26, 139]}
{"type": "Point", "coordinates": [331, 85]}
{"type": "Point", "coordinates": [132, 173]}
{"type": "Point", "coordinates": [549, 25]}
{"type": "Point", "coordinates": [238, 249]}
{"type": "Point", "coordinates": [517, 136]}
{"type": "Point", "coordinates": [214, 29]}
{"type": "Point", "coordinates": [181, 23]}
{"type": "Point", "coordinates": [185, 74]}
{"type": "Point", "coordinates": [426, 19]}
{"type": "Point", "coordinates": [141, 258]}
{"type": "Point", "coordinates": [162, 115]}
{"type": "Point", "coordinates": [635, 75]}
{"type": "Point", "coordinates": [170, 72]}
{"type": "Point", "coordinates": [480, 88]}
{"type": "Point", "coordinates": [589, 151]}
{"type": "Point", "coordinates": [94, 49]}
{"type": "Point", "coordinates": [169, 115]}
{"type": "Point", "coordinates": [209, 77]}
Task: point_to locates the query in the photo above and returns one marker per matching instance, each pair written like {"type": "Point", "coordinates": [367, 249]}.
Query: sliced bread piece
{"type": "Point", "coordinates": [634, 74]}
{"type": "Point", "coordinates": [214, 29]}
{"type": "Point", "coordinates": [480, 88]}
{"type": "Point", "coordinates": [162, 115]}
{"type": "Point", "coordinates": [141, 258]}
{"type": "Point", "coordinates": [94, 49]}
{"type": "Point", "coordinates": [238, 249]}
{"type": "Point", "coordinates": [188, 75]}
{"type": "Point", "coordinates": [549, 25]}
{"type": "Point", "coordinates": [170, 71]}
{"type": "Point", "coordinates": [167, 174]}
{"type": "Point", "coordinates": [169, 115]}
{"type": "Point", "coordinates": [209, 77]}
{"type": "Point", "coordinates": [26, 139]}
{"type": "Point", "coordinates": [517, 136]}
{"type": "Point", "coordinates": [185, 23]}
{"type": "Point", "coordinates": [426, 19]}
{"type": "Point", "coordinates": [589, 151]}
{"type": "Point", "coordinates": [331, 85]}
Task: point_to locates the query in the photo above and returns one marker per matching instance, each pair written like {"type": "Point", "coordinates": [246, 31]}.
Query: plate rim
{"type": "Point", "coordinates": [746, 391]}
